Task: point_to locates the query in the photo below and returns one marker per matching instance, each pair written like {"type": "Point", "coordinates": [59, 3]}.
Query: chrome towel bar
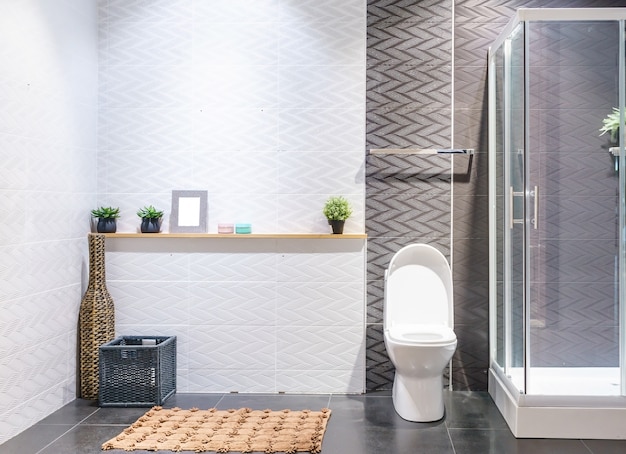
{"type": "Point", "coordinates": [413, 151]}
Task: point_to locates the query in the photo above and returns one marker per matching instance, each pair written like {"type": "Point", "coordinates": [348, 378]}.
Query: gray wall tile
{"type": "Point", "coordinates": [410, 105]}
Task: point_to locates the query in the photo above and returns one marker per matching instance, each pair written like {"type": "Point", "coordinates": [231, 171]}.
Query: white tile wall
{"type": "Point", "coordinates": [202, 96]}
{"type": "Point", "coordinates": [253, 315]}
{"type": "Point", "coordinates": [262, 104]}
{"type": "Point", "coordinates": [48, 93]}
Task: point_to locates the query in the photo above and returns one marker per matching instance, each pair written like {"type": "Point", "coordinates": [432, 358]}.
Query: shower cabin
{"type": "Point", "coordinates": [557, 223]}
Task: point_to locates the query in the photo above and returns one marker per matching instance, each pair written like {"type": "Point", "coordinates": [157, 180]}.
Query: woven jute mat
{"type": "Point", "coordinates": [242, 430]}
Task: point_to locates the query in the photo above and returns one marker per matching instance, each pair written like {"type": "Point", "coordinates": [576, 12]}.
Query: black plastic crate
{"type": "Point", "coordinates": [137, 371]}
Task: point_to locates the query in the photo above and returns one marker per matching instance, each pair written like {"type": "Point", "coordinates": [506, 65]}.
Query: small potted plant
{"type": "Point", "coordinates": [337, 209]}
{"type": "Point", "coordinates": [611, 125]}
{"type": "Point", "coordinates": [106, 219]}
{"type": "Point", "coordinates": [150, 219]}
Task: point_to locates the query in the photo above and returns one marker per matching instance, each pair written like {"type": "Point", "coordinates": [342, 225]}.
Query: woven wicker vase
{"type": "Point", "coordinates": [96, 319]}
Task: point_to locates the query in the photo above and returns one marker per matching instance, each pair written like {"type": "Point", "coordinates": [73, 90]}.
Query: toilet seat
{"type": "Point", "coordinates": [427, 335]}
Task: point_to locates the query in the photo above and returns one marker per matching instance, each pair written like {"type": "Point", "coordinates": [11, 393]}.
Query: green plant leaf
{"type": "Point", "coordinates": [337, 208]}
{"type": "Point", "coordinates": [149, 212]}
{"type": "Point", "coordinates": [106, 212]}
{"type": "Point", "coordinates": [611, 124]}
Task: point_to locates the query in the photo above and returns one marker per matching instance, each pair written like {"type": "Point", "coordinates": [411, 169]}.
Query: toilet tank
{"type": "Point", "coordinates": [418, 287]}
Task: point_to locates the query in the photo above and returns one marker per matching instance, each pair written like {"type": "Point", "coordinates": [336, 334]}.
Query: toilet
{"type": "Point", "coordinates": [418, 329]}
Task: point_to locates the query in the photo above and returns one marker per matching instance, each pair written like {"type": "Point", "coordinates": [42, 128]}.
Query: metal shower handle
{"type": "Point", "coordinates": [512, 195]}
{"type": "Point", "coordinates": [535, 219]}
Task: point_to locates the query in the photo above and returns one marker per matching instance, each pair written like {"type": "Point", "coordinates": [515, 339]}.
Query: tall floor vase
{"type": "Point", "coordinates": [96, 319]}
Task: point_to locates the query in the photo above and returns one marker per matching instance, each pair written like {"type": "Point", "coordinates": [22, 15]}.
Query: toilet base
{"type": "Point", "coordinates": [418, 399]}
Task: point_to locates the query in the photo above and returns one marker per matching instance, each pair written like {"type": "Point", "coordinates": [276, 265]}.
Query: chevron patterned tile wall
{"type": "Point", "coordinates": [48, 180]}
{"type": "Point", "coordinates": [575, 244]}
{"type": "Point", "coordinates": [261, 103]}
{"type": "Point", "coordinates": [408, 106]}
{"type": "Point", "coordinates": [408, 74]}
{"type": "Point", "coordinates": [574, 346]}
{"type": "Point", "coordinates": [286, 318]}
{"type": "Point", "coordinates": [193, 95]}
{"type": "Point", "coordinates": [409, 102]}
{"type": "Point", "coordinates": [477, 24]}
{"type": "Point", "coordinates": [408, 99]}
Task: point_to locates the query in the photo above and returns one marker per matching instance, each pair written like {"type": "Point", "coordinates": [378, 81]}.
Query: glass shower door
{"type": "Point", "coordinates": [572, 190]}
{"type": "Point", "coordinates": [557, 211]}
{"type": "Point", "coordinates": [514, 234]}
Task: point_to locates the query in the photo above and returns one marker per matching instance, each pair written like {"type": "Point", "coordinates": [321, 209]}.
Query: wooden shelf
{"type": "Point", "coordinates": [242, 236]}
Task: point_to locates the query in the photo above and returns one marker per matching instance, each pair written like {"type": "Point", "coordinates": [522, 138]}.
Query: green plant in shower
{"type": "Point", "coordinates": [611, 125]}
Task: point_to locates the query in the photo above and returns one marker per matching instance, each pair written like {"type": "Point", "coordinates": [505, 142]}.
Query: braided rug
{"type": "Point", "coordinates": [243, 430]}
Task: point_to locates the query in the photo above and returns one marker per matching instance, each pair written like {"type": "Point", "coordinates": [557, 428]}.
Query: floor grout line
{"type": "Point", "coordinates": [450, 438]}
{"type": "Point", "coordinates": [585, 445]}
{"type": "Point", "coordinates": [74, 426]}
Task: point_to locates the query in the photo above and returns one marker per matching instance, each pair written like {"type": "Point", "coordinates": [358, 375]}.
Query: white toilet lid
{"type": "Point", "coordinates": [422, 334]}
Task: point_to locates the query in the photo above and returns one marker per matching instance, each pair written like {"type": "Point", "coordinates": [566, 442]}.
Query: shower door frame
{"type": "Point", "coordinates": [534, 415]}
{"type": "Point", "coordinates": [515, 190]}
{"type": "Point", "coordinates": [622, 206]}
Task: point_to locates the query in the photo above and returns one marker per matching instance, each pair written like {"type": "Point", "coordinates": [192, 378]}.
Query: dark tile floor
{"type": "Point", "coordinates": [360, 424]}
